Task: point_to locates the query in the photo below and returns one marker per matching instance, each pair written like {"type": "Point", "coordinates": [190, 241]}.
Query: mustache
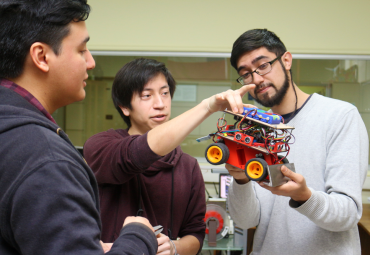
{"type": "Point", "coordinates": [262, 86]}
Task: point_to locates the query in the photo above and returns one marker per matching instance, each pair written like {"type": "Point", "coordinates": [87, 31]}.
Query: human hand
{"type": "Point", "coordinates": [164, 245]}
{"type": "Point", "coordinates": [106, 246]}
{"type": "Point", "coordinates": [237, 173]}
{"type": "Point", "coordinates": [138, 219]}
{"type": "Point", "coordinates": [296, 188]}
{"type": "Point", "coordinates": [230, 99]}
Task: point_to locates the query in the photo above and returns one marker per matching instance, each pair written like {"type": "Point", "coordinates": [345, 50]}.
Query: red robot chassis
{"type": "Point", "coordinates": [253, 145]}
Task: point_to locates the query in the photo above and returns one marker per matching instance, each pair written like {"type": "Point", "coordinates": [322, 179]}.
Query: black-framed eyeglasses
{"type": "Point", "coordinates": [263, 69]}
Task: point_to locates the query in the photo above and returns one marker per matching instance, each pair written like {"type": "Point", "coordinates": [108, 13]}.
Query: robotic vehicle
{"type": "Point", "coordinates": [257, 142]}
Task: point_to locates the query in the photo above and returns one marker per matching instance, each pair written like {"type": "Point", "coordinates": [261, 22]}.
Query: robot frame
{"type": "Point", "coordinates": [253, 143]}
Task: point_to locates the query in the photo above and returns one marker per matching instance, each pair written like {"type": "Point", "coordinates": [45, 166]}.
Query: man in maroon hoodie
{"type": "Point", "coordinates": [142, 170]}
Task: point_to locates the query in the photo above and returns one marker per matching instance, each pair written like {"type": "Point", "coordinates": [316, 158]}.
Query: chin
{"type": "Point", "coordinates": [82, 95]}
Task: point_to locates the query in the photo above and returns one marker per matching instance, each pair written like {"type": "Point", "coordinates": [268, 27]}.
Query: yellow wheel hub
{"type": "Point", "coordinates": [255, 169]}
{"type": "Point", "coordinates": [214, 154]}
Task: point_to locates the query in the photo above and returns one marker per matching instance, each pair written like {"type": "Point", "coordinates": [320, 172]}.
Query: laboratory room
{"type": "Point", "coordinates": [273, 176]}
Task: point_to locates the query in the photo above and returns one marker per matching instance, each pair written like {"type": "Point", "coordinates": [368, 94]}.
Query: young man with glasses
{"type": "Point", "coordinates": [318, 210]}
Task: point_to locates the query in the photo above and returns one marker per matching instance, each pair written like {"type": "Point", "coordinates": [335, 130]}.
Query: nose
{"type": "Point", "coordinates": [257, 79]}
{"type": "Point", "coordinates": [158, 102]}
{"type": "Point", "coordinates": [90, 62]}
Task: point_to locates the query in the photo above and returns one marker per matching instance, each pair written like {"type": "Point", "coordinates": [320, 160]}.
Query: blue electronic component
{"type": "Point", "coordinates": [262, 115]}
{"type": "Point", "coordinates": [200, 139]}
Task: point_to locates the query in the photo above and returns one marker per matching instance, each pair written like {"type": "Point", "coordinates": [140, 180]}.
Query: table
{"type": "Point", "coordinates": [225, 244]}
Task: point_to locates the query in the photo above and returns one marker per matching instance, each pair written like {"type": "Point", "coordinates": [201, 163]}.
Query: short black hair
{"type": "Point", "coordinates": [24, 22]}
{"type": "Point", "coordinates": [255, 39]}
{"type": "Point", "coordinates": [133, 77]}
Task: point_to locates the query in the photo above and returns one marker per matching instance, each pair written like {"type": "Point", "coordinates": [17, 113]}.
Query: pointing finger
{"type": "Point", "coordinates": [238, 101]}
{"type": "Point", "coordinates": [246, 88]}
{"type": "Point", "coordinates": [250, 106]}
{"type": "Point", "coordinates": [231, 100]}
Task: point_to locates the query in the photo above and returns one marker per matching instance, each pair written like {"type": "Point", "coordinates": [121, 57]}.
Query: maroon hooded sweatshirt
{"type": "Point", "coordinates": [125, 166]}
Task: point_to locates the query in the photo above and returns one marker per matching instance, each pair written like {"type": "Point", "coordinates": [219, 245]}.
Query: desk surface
{"type": "Point", "coordinates": [365, 219]}
{"type": "Point", "coordinates": [228, 243]}
{"type": "Point", "coordinates": [223, 244]}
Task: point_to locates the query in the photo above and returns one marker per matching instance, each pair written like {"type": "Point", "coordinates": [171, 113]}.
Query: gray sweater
{"type": "Point", "coordinates": [331, 152]}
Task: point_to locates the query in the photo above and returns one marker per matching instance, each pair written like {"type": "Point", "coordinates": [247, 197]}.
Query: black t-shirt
{"type": "Point", "coordinates": [289, 116]}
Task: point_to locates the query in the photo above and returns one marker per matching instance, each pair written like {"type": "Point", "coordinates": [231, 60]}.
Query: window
{"type": "Point", "coordinates": [343, 77]}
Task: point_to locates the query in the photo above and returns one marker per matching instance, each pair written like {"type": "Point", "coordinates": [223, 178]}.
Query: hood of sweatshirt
{"type": "Point", "coordinates": [15, 111]}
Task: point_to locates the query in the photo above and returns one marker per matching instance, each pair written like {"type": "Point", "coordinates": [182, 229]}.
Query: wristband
{"type": "Point", "coordinates": [174, 246]}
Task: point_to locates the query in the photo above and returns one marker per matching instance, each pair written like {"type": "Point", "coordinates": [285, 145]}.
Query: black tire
{"type": "Point", "coordinates": [285, 160]}
{"type": "Point", "coordinates": [217, 153]}
{"type": "Point", "coordinates": [256, 169]}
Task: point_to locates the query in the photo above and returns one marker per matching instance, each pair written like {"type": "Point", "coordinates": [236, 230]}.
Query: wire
{"type": "Point", "coordinates": [214, 184]}
{"type": "Point", "coordinates": [273, 140]}
{"type": "Point", "coordinates": [209, 196]}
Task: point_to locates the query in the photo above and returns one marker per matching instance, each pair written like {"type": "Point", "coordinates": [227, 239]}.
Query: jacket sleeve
{"type": "Point", "coordinates": [54, 211]}
{"type": "Point", "coordinates": [193, 223]}
{"type": "Point", "coordinates": [339, 208]}
{"type": "Point", "coordinates": [116, 159]}
{"type": "Point", "coordinates": [243, 204]}
{"type": "Point", "coordinates": [135, 238]}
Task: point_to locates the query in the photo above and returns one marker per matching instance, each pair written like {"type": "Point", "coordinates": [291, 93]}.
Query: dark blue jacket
{"type": "Point", "coordinates": [48, 195]}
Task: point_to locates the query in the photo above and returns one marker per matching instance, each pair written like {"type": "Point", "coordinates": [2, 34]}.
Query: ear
{"type": "Point", "coordinates": [287, 60]}
{"type": "Point", "coordinates": [125, 111]}
{"type": "Point", "coordinates": [40, 53]}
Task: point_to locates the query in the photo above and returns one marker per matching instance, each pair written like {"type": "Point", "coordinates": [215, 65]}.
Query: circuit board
{"type": "Point", "coordinates": [275, 126]}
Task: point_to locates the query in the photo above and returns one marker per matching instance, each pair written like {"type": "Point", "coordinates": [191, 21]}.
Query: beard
{"type": "Point", "coordinates": [276, 99]}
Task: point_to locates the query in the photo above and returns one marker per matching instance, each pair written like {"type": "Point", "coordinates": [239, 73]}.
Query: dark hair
{"type": "Point", "coordinates": [24, 22]}
{"type": "Point", "coordinates": [132, 78]}
{"type": "Point", "coordinates": [254, 39]}
{"type": "Point", "coordinates": [257, 38]}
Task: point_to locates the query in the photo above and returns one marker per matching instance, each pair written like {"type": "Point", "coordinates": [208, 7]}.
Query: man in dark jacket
{"type": "Point", "coordinates": [48, 195]}
{"type": "Point", "coordinates": [142, 169]}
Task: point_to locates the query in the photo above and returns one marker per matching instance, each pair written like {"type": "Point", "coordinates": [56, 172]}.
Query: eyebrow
{"type": "Point", "coordinates": [253, 62]}
{"type": "Point", "coordinates": [86, 40]}
{"type": "Point", "coordinates": [163, 87]}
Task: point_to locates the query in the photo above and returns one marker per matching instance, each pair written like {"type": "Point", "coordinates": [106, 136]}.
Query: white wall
{"type": "Point", "coordinates": [315, 26]}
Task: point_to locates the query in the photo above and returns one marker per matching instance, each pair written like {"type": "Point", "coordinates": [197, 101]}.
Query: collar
{"type": "Point", "coordinates": [26, 95]}
{"type": "Point", "coordinates": [289, 116]}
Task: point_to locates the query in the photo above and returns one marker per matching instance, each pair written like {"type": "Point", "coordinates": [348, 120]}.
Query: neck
{"type": "Point", "coordinates": [34, 86]}
{"type": "Point", "coordinates": [289, 102]}
{"type": "Point", "coordinates": [134, 131]}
